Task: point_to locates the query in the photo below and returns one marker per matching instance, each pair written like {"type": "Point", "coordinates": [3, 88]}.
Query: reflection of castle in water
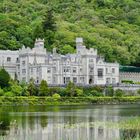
{"type": "Point", "coordinates": [66, 125]}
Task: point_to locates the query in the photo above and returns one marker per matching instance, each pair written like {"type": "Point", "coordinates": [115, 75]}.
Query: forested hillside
{"type": "Point", "coordinates": [111, 26]}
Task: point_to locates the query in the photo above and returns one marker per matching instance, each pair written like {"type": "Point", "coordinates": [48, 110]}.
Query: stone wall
{"type": "Point", "coordinates": [133, 76]}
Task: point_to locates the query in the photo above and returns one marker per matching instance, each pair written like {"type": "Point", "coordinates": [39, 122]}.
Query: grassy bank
{"type": "Point", "coordinates": [33, 100]}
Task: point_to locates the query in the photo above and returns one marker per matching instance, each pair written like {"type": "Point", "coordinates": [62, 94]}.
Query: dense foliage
{"type": "Point", "coordinates": [11, 88]}
{"type": "Point", "coordinates": [4, 78]}
{"type": "Point", "coordinates": [111, 26]}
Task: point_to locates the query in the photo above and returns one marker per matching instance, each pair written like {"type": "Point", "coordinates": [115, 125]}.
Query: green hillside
{"type": "Point", "coordinates": [111, 26]}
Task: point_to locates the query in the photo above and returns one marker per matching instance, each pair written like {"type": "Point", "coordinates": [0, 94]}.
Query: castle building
{"type": "Point", "coordinates": [83, 67]}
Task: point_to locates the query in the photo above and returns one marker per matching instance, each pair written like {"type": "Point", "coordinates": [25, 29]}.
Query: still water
{"type": "Point", "coordinates": [79, 122]}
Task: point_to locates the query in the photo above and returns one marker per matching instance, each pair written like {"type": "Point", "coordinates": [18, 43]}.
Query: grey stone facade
{"type": "Point", "coordinates": [83, 67]}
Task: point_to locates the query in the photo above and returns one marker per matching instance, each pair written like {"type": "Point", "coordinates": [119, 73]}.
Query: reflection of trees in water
{"type": "Point", "coordinates": [43, 121]}
{"type": "Point", "coordinates": [128, 134]}
{"type": "Point", "coordinates": [4, 123]}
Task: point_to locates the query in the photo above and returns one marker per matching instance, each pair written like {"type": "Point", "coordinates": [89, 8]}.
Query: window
{"type": "Point", "coordinates": [24, 79]}
{"type": "Point", "coordinates": [66, 80]}
{"type": "Point", "coordinates": [49, 79]}
{"type": "Point", "coordinates": [37, 69]}
{"type": "Point", "coordinates": [23, 62]}
{"type": "Point", "coordinates": [91, 70]}
{"type": "Point", "coordinates": [100, 73]}
{"type": "Point", "coordinates": [91, 60]}
{"type": "Point", "coordinates": [18, 67]}
{"type": "Point", "coordinates": [113, 70]}
{"type": "Point", "coordinates": [31, 70]}
{"type": "Point", "coordinates": [49, 71]}
{"type": "Point", "coordinates": [74, 70]}
{"type": "Point", "coordinates": [54, 69]}
{"type": "Point", "coordinates": [106, 70]}
{"type": "Point", "coordinates": [17, 59]}
{"type": "Point", "coordinates": [37, 80]}
{"type": "Point", "coordinates": [73, 59]}
{"type": "Point", "coordinates": [23, 71]}
{"type": "Point", "coordinates": [74, 80]}
{"type": "Point", "coordinates": [54, 79]}
{"type": "Point", "coordinates": [113, 81]}
{"type": "Point", "coordinates": [108, 81]}
{"type": "Point", "coordinates": [8, 59]}
{"type": "Point", "coordinates": [66, 69]}
{"type": "Point", "coordinates": [82, 79]}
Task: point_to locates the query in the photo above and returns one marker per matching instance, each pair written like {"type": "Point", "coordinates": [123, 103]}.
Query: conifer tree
{"type": "Point", "coordinates": [43, 88]}
{"type": "Point", "coordinates": [32, 88]}
{"type": "Point", "coordinates": [71, 89]}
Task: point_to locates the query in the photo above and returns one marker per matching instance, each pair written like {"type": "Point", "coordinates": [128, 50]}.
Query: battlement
{"type": "Point", "coordinates": [39, 43]}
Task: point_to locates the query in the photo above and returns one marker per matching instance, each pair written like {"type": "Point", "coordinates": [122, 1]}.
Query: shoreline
{"type": "Point", "coordinates": [34, 100]}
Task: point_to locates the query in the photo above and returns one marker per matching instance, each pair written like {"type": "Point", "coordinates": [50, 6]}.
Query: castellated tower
{"type": "Point", "coordinates": [79, 42]}
{"type": "Point", "coordinates": [79, 45]}
{"type": "Point", "coordinates": [39, 43]}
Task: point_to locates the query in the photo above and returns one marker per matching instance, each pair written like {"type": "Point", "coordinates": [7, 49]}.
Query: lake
{"type": "Point", "coordinates": [78, 122]}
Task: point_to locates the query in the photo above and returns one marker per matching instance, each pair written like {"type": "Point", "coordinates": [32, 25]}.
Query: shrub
{"type": "Point", "coordinates": [119, 93]}
{"type": "Point", "coordinates": [127, 81]}
{"type": "Point", "coordinates": [138, 83]}
{"type": "Point", "coordinates": [53, 90]}
{"type": "Point", "coordinates": [16, 90]}
{"type": "Point", "coordinates": [56, 96]}
{"type": "Point", "coordinates": [9, 94]}
{"type": "Point", "coordinates": [4, 78]}
{"type": "Point", "coordinates": [62, 92]}
{"type": "Point", "coordinates": [138, 92]}
{"type": "Point", "coordinates": [79, 92]}
{"type": "Point", "coordinates": [96, 93]}
{"type": "Point", "coordinates": [71, 89]}
{"type": "Point", "coordinates": [1, 92]}
{"type": "Point", "coordinates": [98, 88]}
{"type": "Point", "coordinates": [109, 91]}
{"type": "Point", "coordinates": [87, 90]}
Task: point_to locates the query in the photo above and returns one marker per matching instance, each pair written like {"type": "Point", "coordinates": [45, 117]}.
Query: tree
{"type": "Point", "coordinates": [56, 97]}
{"type": "Point", "coordinates": [96, 93]}
{"type": "Point", "coordinates": [119, 93]}
{"type": "Point", "coordinates": [49, 28]}
{"type": "Point", "coordinates": [138, 92]}
{"type": "Point", "coordinates": [109, 91]}
{"type": "Point", "coordinates": [71, 89]}
{"type": "Point", "coordinates": [43, 88]}
{"type": "Point", "coordinates": [4, 78]}
{"type": "Point", "coordinates": [79, 92]}
{"type": "Point", "coordinates": [67, 49]}
{"type": "Point", "coordinates": [103, 24]}
{"type": "Point", "coordinates": [38, 32]}
{"type": "Point", "coordinates": [1, 92]}
{"type": "Point", "coordinates": [16, 89]}
{"type": "Point", "coordinates": [32, 88]}
{"type": "Point", "coordinates": [25, 91]}
{"type": "Point", "coordinates": [49, 22]}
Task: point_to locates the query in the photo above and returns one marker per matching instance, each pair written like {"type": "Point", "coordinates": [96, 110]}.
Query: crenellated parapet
{"type": "Point", "coordinates": [81, 49]}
